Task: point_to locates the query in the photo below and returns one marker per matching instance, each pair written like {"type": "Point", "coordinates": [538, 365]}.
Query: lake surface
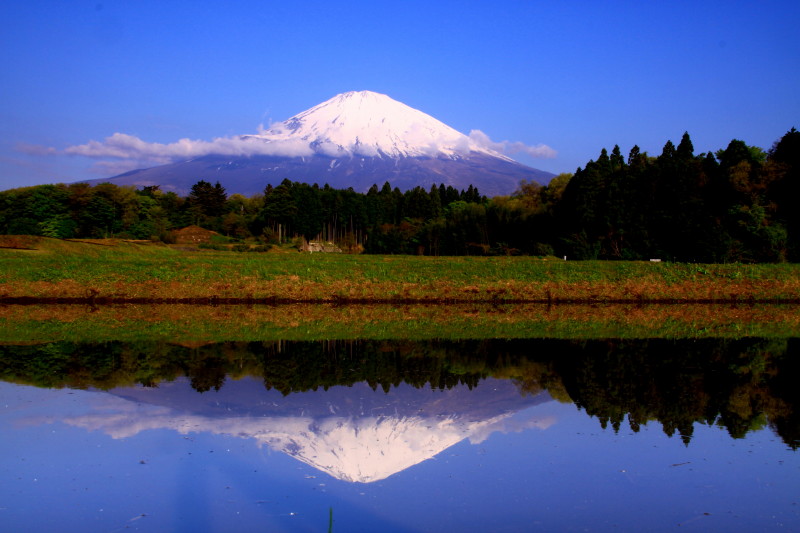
{"type": "Point", "coordinates": [489, 435]}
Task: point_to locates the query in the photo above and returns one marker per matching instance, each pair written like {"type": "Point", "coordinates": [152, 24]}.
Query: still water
{"type": "Point", "coordinates": [494, 435]}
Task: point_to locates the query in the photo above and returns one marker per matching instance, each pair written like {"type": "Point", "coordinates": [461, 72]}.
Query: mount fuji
{"type": "Point", "coordinates": [355, 139]}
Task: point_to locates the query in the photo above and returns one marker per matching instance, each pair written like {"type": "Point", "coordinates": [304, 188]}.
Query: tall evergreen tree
{"type": "Point", "coordinates": [685, 150]}
{"type": "Point", "coordinates": [206, 202]}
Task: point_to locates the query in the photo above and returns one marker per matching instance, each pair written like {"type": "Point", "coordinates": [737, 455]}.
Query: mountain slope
{"type": "Point", "coordinates": [355, 139]}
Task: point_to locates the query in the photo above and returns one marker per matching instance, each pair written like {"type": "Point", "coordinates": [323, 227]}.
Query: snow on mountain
{"type": "Point", "coordinates": [356, 139]}
{"type": "Point", "coordinates": [365, 123]}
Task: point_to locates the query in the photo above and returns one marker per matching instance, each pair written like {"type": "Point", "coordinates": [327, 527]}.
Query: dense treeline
{"type": "Point", "coordinates": [738, 204]}
{"type": "Point", "coordinates": [382, 221]}
{"type": "Point", "coordinates": [740, 385]}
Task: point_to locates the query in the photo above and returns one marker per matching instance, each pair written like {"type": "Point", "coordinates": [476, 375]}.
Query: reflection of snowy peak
{"type": "Point", "coordinates": [352, 433]}
{"type": "Point", "coordinates": [371, 449]}
{"type": "Point", "coordinates": [370, 124]}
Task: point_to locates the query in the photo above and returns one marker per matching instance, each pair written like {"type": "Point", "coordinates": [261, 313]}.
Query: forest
{"type": "Point", "coordinates": [738, 204]}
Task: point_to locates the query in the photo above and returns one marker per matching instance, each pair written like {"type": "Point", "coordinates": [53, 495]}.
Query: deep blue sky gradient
{"type": "Point", "coordinates": [575, 76]}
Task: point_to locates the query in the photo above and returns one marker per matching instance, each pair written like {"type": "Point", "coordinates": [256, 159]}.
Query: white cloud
{"type": "Point", "coordinates": [327, 148]}
{"type": "Point", "coordinates": [122, 152]}
{"type": "Point", "coordinates": [124, 146]}
{"type": "Point", "coordinates": [34, 149]}
{"type": "Point", "coordinates": [540, 151]}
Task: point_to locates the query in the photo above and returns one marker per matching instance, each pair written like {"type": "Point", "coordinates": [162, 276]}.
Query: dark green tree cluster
{"type": "Point", "coordinates": [383, 220]}
{"type": "Point", "coordinates": [738, 204]}
{"type": "Point", "coordinates": [80, 210]}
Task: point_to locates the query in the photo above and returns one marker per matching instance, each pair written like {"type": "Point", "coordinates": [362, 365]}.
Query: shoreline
{"type": "Point", "coordinates": [326, 321]}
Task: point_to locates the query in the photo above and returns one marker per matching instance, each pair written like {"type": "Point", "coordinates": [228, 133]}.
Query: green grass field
{"type": "Point", "coordinates": [119, 271]}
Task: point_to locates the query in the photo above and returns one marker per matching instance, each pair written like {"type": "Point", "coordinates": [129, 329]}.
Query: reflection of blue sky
{"type": "Point", "coordinates": [572, 475]}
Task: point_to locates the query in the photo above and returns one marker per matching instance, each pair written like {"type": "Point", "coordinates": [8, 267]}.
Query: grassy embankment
{"type": "Point", "coordinates": [117, 271]}
{"type": "Point", "coordinates": [144, 285]}
{"type": "Point", "coordinates": [26, 324]}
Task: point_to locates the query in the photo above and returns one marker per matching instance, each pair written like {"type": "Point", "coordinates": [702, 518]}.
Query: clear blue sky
{"type": "Point", "coordinates": [575, 76]}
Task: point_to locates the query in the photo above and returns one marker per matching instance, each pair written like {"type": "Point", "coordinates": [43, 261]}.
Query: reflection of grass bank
{"type": "Point", "coordinates": [188, 323]}
{"type": "Point", "coordinates": [134, 272]}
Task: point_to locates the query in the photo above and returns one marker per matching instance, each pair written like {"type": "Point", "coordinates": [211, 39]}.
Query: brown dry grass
{"type": "Point", "coordinates": [192, 323]}
{"type": "Point", "coordinates": [291, 288]}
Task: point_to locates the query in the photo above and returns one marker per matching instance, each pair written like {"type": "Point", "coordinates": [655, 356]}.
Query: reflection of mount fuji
{"type": "Point", "coordinates": [352, 433]}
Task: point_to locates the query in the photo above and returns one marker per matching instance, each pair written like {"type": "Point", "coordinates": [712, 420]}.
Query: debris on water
{"type": "Point", "coordinates": [698, 517]}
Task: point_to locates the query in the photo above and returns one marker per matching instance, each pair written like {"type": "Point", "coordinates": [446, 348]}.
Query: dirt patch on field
{"type": "Point", "coordinates": [18, 242]}
{"type": "Point", "coordinates": [193, 235]}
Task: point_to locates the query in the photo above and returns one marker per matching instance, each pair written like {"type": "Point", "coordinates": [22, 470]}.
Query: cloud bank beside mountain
{"type": "Point", "coordinates": [122, 146]}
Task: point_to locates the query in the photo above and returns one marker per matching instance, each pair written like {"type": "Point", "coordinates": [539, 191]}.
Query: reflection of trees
{"type": "Point", "coordinates": [740, 385]}
{"type": "Point", "coordinates": [206, 368]}
{"type": "Point", "coordinates": [783, 412]}
{"type": "Point", "coordinates": [677, 383]}
{"type": "Point", "coordinates": [293, 367]}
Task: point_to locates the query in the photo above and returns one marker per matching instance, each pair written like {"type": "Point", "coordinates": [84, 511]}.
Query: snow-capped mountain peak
{"type": "Point", "coordinates": [355, 139]}
{"type": "Point", "coordinates": [371, 124]}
